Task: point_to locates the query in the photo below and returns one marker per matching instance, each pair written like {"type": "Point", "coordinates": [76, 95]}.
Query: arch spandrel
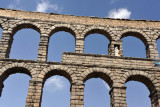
{"type": "Point", "coordinates": [104, 74]}
{"type": "Point", "coordinates": [93, 30]}
{"type": "Point", "coordinates": [56, 70]}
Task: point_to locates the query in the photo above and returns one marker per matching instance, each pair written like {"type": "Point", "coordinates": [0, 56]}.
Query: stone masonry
{"type": "Point", "coordinates": [79, 67]}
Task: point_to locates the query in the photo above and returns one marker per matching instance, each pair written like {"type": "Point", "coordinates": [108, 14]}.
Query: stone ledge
{"type": "Point", "coordinates": [107, 56]}
{"type": "Point", "coordinates": [81, 16]}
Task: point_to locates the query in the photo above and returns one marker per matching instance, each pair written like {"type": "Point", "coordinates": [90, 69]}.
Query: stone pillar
{"type": "Point", "coordinates": [77, 95]}
{"type": "Point", "coordinates": [5, 45]}
{"type": "Point", "coordinates": [43, 48]}
{"type": "Point", "coordinates": [34, 94]}
{"type": "Point", "coordinates": [151, 50]}
{"type": "Point", "coordinates": [155, 99]}
{"type": "Point", "coordinates": [112, 45]}
{"type": "Point", "coordinates": [79, 45]}
{"type": "Point", "coordinates": [118, 97]}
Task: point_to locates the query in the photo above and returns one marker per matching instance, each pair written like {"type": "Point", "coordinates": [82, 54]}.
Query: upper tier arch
{"type": "Point", "coordinates": [136, 33]}
{"type": "Point", "coordinates": [61, 27]}
{"type": "Point", "coordinates": [24, 25]}
{"type": "Point", "coordinates": [92, 30]}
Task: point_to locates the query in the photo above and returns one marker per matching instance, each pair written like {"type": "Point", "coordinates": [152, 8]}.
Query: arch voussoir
{"type": "Point", "coordinates": [29, 69]}
{"type": "Point", "coordinates": [148, 77]}
{"type": "Point", "coordinates": [90, 71]}
{"type": "Point", "coordinates": [58, 68]}
{"type": "Point", "coordinates": [62, 27]}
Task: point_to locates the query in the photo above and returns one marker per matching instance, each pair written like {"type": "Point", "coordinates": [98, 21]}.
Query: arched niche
{"type": "Point", "coordinates": [25, 45]}
{"type": "Point", "coordinates": [96, 41]}
{"type": "Point", "coordinates": [134, 45]}
{"type": "Point", "coordinates": [61, 40]}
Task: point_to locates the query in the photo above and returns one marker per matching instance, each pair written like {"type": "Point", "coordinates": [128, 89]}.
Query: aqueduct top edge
{"type": "Point", "coordinates": [78, 19]}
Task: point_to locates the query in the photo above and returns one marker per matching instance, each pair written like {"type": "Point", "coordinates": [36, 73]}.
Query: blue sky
{"type": "Point", "coordinates": [56, 88]}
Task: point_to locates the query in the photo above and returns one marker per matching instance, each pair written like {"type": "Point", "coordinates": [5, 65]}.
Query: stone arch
{"type": "Point", "coordinates": [12, 69]}
{"type": "Point", "coordinates": [19, 26]}
{"type": "Point", "coordinates": [136, 33]}
{"type": "Point", "coordinates": [147, 79]}
{"type": "Point", "coordinates": [52, 70]}
{"type": "Point", "coordinates": [17, 67]}
{"type": "Point", "coordinates": [104, 74]}
{"type": "Point", "coordinates": [24, 25]}
{"type": "Point", "coordinates": [92, 30]}
{"type": "Point", "coordinates": [62, 27]}
{"type": "Point", "coordinates": [56, 70]}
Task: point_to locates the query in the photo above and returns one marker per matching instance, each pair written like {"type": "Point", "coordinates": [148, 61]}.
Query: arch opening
{"type": "Point", "coordinates": [60, 42]}
{"type": "Point", "coordinates": [147, 82]}
{"type": "Point", "coordinates": [56, 83]}
{"type": "Point", "coordinates": [135, 34]}
{"type": "Point", "coordinates": [133, 47]}
{"type": "Point", "coordinates": [25, 26]}
{"type": "Point", "coordinates": [98, 31]}
{"type": "Point", "coordinates": [96, 42]}
{"type": "Point", "coordinates": [13, 71]}
{"type": "Point", "coordinates": [138, 90]}
{"type": "Point", "coordinates": [101, 75]}
{"type": "Point", "coordinates": [96, 87]}
{"type": "Point", "coordinates": [64, 29]}
{"type": "Point", "coordinates": [25, 44]}
{"type": "Point", "coordinates": [57, 72]}
{"type": "Point", "coordinates": [16, 83]}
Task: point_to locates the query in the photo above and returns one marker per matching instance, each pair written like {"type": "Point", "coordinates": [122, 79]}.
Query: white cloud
{"type": "Point", "coordinates": [45, 5]}
{"type": "Point", "coordinates": [121, 13]}
{"type": "Point", "coordinates": [54, 83]}
{"type": "Point", "coordinates": [106, 85]}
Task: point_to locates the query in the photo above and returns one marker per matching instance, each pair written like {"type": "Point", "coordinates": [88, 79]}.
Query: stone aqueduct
{"type": "Point", "coordinates": [78, 67]}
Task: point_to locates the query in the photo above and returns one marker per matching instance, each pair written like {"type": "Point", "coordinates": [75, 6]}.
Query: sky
{"type": "Point", "coordinates": [57, 88]}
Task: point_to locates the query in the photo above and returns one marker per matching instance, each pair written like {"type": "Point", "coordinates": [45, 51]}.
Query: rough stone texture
{"type": "Point", "coordinates": [79, 67]}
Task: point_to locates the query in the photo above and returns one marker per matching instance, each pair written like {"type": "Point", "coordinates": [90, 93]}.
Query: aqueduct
{"type": "Point", "coordinates": [78, 67]}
